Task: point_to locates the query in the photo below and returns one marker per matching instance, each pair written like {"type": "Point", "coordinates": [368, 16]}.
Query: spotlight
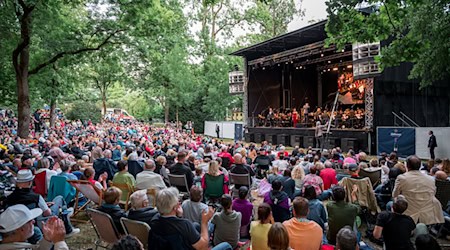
{"type": "Point", "coordinates": [301, 67]}
{"type": "Point", "coordinates": [321, 55]}
{"type": "Point", "coordinates": [296, 67]}
{"type": "Point", "coordinates": [349, 66]}
{"type": "Point", "coordinates": [329, 69]}
{"type": "Point", "coordinates": [335, 69]}
{"type": "Point", "coordinates": [278, 64]}
{"type": "Point", "coordinates": [286, 62]}
{"type": "Point", "coordinates": [264, 68]}
{"type": "Point", "coordinates": [292, 61]}
{"type": "Point", "coordinates": [329, 61]}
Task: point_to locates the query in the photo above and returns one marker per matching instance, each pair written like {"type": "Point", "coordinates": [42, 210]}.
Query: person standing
{"type": "Point", "coordinates": [432, 144]}
{"type": "Point", "coordinates": [319, 134]}
{"type": "Point", "coordinates": [218, 130]}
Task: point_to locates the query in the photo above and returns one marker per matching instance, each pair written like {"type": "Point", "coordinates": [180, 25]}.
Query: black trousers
{"type": "Point", "coordinates": [432, 153]}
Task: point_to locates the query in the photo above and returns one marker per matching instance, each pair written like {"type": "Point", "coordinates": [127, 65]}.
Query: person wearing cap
{"type": "Point", "coordinates": [353, 170]}
{"type": "Point", "coordinates": [23, 194]}
{"type": "Point", "coordinates": [17, 225]}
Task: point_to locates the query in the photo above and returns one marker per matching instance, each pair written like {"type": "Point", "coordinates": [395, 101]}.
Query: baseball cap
{"type": "Point", "coordinates": [16, 216]}
{"type": "Point", "coordinates": [352, 167]}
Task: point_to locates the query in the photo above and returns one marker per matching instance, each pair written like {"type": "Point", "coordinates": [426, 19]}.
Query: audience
{"type": "Point", "coordinates": [245, 207]}
{"type": "Point", "coordinates": [278, 237]}
{"type": "Point", "coordinates": [140, 207]}
{"type": "Point", "coordinates": [279, 202]}
{"type": "Point", "coordinates": [259, 229]}
{"type": "Point", "coordinates": [214, 182]}
{"type": "Point", "coordinates": [123, 177]}
{"type": "Point", "coordinates": [303, 233]}
{"type": "Point", "coordinates": [149, 178]}
{"type": "Point", "coordinates": [346, 239]}
{"type": "Point", "coordinates": [193, 208]}
{"type": "Point", "coordinates": [128, 242]}
{"type": "Point", "coordinates": [180, 168]}
{"type": "Point", "coordinates": [227, 223]}
{"type": "Point", "coordinates": [111, 206]}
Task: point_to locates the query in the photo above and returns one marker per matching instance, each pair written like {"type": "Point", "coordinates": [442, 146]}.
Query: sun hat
{"type": "Point", "coordinates": [24, 175]}
{"type": "Point", "coordinates": [16, 216]}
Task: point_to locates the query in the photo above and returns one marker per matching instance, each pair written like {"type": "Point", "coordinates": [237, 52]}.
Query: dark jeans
{"type": "Point", "coordinates": [432, 153]}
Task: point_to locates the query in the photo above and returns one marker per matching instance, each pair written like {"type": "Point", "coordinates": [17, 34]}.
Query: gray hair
{"type": "Point", "coordinates": [150, 164]}
{"type": "Point", "coordinates": [137, 198]}
{"type": "Point", "coordinates": [328, 164]}
{"type": "Point", "coordinates": [107, 153]}
{"type": "Point", "coordinates": [85, 158]}
{"type": "Point", "coordinates": [346, 239]}
{"type": "Point", "coordinates": [133, 157]}
{"type": "Point", "coordinates": [166, 200]}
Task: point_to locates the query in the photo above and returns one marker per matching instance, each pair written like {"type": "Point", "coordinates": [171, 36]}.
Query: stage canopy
{"type": "Point", "coordinates": [301, 37]}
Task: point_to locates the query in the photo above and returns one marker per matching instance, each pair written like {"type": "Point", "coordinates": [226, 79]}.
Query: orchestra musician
{"type": "Point", "coordinates": [306, 110]}
{"type": "Point", "coordinates": [295, 117]}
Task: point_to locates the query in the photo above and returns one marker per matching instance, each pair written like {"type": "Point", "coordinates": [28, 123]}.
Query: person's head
{"type": "Point", "coordinates": [446, 166]}
{"type": "Point", "coordinates": [430, 132]}
{"type": "Point", "coordinates": [287, 172]}
{"type": "Point", "coordinates": [310, 192]}
{"type": "Point", "coordinates": [433, 171]}
{"type": "Point", "coordinates": [346, 239]}
{"type": "Point", "coordinates": [161, 160]}
{"type": "Point", "coordinates": [167, 201]}
{"type": "Point", "coordinates": [66, 165]}
{"type": "Point", "coordinates": [139, 199]}
{"type": "Point", "coordinates": [441, 175]}
{"type": "Point", "coordinates": [426, 242]}
{"type": "Point", "coordinates": [243, 192]}
{"type": "Point", "coordinates": [400, 166]}
{"type": "Point", "coordinates": [128, 242]}
{"type": "Point", "coordinates": [112, 195]}
{"type": "Point", "coordinates": [181, 157]}
{"type": "Point", "coordinates": [277, 185]}
{"type": "Point", "coordinates": [107, 154]}
{"type": "Point", "coordinates": [313, 169]}
{"type": "Point", "coordinates": [213, 168]}
{"type": "Point", "coordinates": [413, 163]}
{"type": "Point", "coordinates": [89, 173]}
{"type": "Point", "coordinates": [17, 223]}
{"type": "Point", "coordinates": [301, 207]}
{"type": "Point", "coordinates": [338, 193]}
{"type": "Point", "coordinates": [149, 165]}
{"type": "Point", "coordinates": [43, 163]}
{"type": "Point", "coordinates": [237, 158]}
{"type": "Point", "coordinates": [122, 165]}
{"type": "Point", "coordinates": [400, 205]}
{"type": "Point", "coordinates": [362, 156]}
{"type": "Point", "coordinates": [353, 168]}
{"type": "Point", "coordinates": [264, 211]}
{"type": "Point", "coordinates": [225, 202]}
{"type": "Point", "coordinates": [278, 237]}
{"type": "Point", "coordinates": [328, 164]}
{"type": "Point", "coordinates": [196, 193]}
{"type": "Point", "coordinates": [24, 178]}
{"type": "Point", "coordinates": [374, 163]}
{"type": "Point", "coordinates": [362, 165]}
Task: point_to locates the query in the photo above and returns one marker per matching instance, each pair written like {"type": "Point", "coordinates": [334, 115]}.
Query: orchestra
{"type": "Point", "coordinates": [347, 118]}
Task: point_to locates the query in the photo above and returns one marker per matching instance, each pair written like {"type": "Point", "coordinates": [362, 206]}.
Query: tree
{"type": "Point", "coordinates": [419, 30]}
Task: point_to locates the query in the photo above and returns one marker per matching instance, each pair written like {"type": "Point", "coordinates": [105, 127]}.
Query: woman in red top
{"type": "Point", "coordinates": [295, 117]}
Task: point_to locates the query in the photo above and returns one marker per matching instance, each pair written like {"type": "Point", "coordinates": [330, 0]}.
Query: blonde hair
{"type": "Point", "coordinates": [243, 153]}
{"type": "Point", "coordinates": [298, 173]}
{"type": "Point", "coordinates": [213, 168]}
{"type": "Point", "coordinates": [160, 159]}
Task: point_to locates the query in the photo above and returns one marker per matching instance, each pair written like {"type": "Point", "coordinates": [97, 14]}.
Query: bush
{"type": "Point", "coordinates": [84, 111]}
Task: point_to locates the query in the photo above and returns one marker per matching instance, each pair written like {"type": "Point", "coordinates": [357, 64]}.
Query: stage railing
{"type": "Point", "coordinates": [404, 122]}
{"type": "Point", "coordinates": [409, 119]}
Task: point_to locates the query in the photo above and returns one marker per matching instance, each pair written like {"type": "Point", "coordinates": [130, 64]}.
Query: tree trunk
{"type": "Point", "coordinates": [104, 102]}
{"type": "Point", "coordinates": [52, 112]}
{"type": "Point", "coordinates": [23, 105]}
{"type": "Point", "coordinates": [166, 112]}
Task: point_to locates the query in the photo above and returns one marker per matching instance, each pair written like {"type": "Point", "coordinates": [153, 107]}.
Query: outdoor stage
{"type": "Point", "coordinates": [357, 139]}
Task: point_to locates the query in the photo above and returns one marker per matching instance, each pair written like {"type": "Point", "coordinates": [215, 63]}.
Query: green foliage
{"type": "Point", "coordinates": [84, 111]}
{"type": "Point", "coordinates": [420, 32]}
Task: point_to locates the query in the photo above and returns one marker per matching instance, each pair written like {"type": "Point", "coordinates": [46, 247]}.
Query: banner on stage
{"type": "Point", "coordinates": [401, 140]}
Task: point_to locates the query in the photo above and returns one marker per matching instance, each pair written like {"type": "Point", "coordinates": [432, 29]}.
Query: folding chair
{"type": "Point", "coordinates": [373, 175]}
{"type": "Point", "coordinates": [136, 228]}
{"type": "Point", "coordinates": [179, 181]}
{"type": "Point", "coordinates": [239, 179]}
{"type": "Point", "coordinates": [443, 192]}
{"type": "Point", "coordinates": [40, 184]}
{"type": "Point", "coordinates": [104, 228]}
{"type": "Point", "coordinates": [89, 191]}
{"type": "Point", "coordinates": [125, 188]}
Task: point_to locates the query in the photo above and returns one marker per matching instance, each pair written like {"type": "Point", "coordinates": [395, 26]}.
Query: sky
{"type": "Point", "coordinates": [314, 10]}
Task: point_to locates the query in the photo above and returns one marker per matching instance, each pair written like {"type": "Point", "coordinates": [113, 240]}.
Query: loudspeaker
{"type": "Point", "coordinates": [308, 141]}
{"type": "Point", "coordinates": [249, 137]}
{"type": "Point", "coordinates": [349, 143]}
{"type": "Point", "coordinates": [272, 139]}
{"type": "Point", "coordinates": [259, 137]}
{"type": "Point", "coordinates": [296, 140]}
{"type": "Point", "coordinates": [283, 139]}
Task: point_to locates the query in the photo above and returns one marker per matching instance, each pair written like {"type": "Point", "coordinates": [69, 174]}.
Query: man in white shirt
{"type": "Point", "coordinates": [148, 178]}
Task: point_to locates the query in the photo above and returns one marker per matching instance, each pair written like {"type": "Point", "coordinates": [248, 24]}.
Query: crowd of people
{"type": "Point", "coordinates": [304, 199]}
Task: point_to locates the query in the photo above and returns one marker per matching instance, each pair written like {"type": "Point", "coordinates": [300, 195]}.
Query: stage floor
{"type": "Point", "coordinates": [356, 139]}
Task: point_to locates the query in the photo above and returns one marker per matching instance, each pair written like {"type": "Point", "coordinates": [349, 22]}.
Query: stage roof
{"type": "Point", "coordinates": [306, 35]}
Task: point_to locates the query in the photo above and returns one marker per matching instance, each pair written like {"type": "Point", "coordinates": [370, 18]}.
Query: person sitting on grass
{"type": "Point", "coordinates": [279, 201]}
{"type": "Point", "coordinates": [259, 229]}
{"type": "Point", "coordinates": [227, 223]}
{"type": "Point", "coordinates": [245, 207]}
{"type": "Point", "coordinates": [111, 206]}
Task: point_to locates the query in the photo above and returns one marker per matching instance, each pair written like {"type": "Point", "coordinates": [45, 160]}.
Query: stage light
{"type": "Point", "coordinates": [349, 66]}
{"type": "Point", "coordinates": [292, 61]}
{"type": "Point", "coordinates": [286, 62]}
{"type": "Point", "coordinates": [321, 55]}
{"type": "Point", "coordinates": [324, 70]}
{"type": "Point", "coordinates": [264, 68]}
{"type": "Point", "coordinates": [278, 64]}
{"type": "Point", "coordinates": [343, 50]}
{"type": "Point", "coordinates": [301, 67]}
{"type": "Point", "coordinates": [335, 69]}
{"type": "Point", "coordinates": [329, 61]}
{"type": "Point", "coordinates": [329, 69]}
{"type": "Point", "coordinates": [296, 67]}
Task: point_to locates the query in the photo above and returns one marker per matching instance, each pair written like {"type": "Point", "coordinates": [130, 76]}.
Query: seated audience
{"type": "Point", "coordinates": [328, 175]}
{"type": "Point", "coordinates": [227, 223]}
{"type": "Point", "coordinates": [89, 174]}
{"type": "Point", "coordinates": [111, 206]}
{"type": "Point", "coordinates": [340, 213]}
{"type": "Point", "coordinates": [279, 202]}
{"type": "Point", "coordinates": [214, 182]}
{"type": "Point", "coordinates": [43, 166]}
{"type": "Point", "coordinates": [149, 178]}
{"type": "Point", "coordinates": [105, 164]}
{"type": "Point", "coordinates": [288, 183]}
{"type": "Point", "coordinates": [396, 228]}
{"type": "Point", "coordinates": [128, 242]}
{"type": "Point", "coordinates": [426, 242]}
{"type": "Point", "coordinates": [240, 167]}
{"type": "Point", "coordinates": [278, 237]}
{"type": "Point", "coordinates": [140, 207]}
{"type": "Point", "coordinates": [317, 211]}
{"type": "Point", "coordinates": [193, 208]}
{"type": "Point", "coordinates": [259, 229]}
{"type": "Point", "coordinates": [170, 231]}
{"type": "Point", "coordinates": [303, 233]}
{"type": "Point", "coordinates": [123, 177]}
{"type": "Point", "coordinates": [180, 168]}
{"type": "Point", "coordinates": [419, 190]}
{"type": "Point", "coordinates": [245, 207]}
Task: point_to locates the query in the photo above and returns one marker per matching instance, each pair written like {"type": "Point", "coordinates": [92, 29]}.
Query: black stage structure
{"type": "Point", "coordinates": [283, 71]}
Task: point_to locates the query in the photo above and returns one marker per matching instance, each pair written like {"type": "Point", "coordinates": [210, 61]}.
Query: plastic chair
{"type": "Point", "coordinates": [104, 228]}
{"type": "Point", "coordinates": [136, 228]}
